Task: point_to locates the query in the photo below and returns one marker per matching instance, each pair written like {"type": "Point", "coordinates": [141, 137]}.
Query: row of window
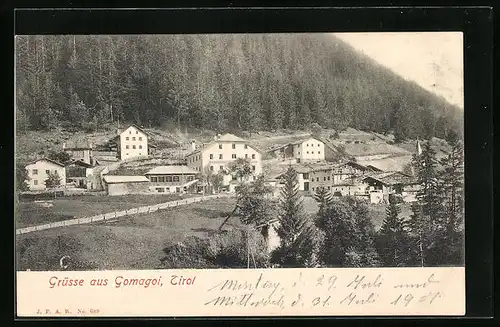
{"type": "Point", "coordinates": [133, 138]}
{"type": "Point", "coordinates": [133, 147]}
{"type": "Point", "coordinates": [222, 167]}
{"type": "Point", "coordinates": [169, 179]}
{"type": "Point", "coordinates": [307, 144]}
{"type": "Point", "coordinates": [136, 132]}
{"type": "Point", "coordinates": [221, 156]}
{"type": "Point", "coordinates": [233, 146]}
{"type": "Point", "coordinates": [35, 172]}
{"type": "Point", "coordinates": [128, 154]}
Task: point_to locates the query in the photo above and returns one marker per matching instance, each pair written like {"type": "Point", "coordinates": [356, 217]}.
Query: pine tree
{"type": "Point", "coordinates": [296, 233]}
{"type": "Point", "coordinates": [452, 178]}
{"type": "Point", "coordinates": [393, 241]}
{"type": "Point", "coordinates": [254, 208]}
{"type": "Point", "coordinates": [22, 178]}
{"type": "Point", "coordinates": [324, 199]}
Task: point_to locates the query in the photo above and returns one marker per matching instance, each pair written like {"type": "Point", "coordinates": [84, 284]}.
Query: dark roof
{"type": "Point", "coordinates": [79, 163]}
{"type": "Point", "coordinates": [374, 168]}
{"type": "Point", "coordinates": [392, 178]}
{"type": "Point", "coordinates": [77, 145]}
{"type": "Point", "coordinates": [354, 164]}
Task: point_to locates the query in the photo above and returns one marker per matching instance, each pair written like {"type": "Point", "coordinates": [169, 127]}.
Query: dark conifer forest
{"type": "Point", "coordinates": [218, 82]}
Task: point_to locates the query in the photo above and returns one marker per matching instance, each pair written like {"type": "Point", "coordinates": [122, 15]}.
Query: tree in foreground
{"type": "Point", "coordinates": [324, 199]}
{"type": "Point", "coordinates": [348, 235]}
{"type": "Point", "coordinates": [297, 239]}
{"type": "Point", "coordinates": [22, 179]}
{"type": "Point", "coordinates": [53, 180]}
{"type": "Point", "coordinates": [394, 241]}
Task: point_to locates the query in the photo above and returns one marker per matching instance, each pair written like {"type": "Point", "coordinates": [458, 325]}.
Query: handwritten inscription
{"type": "Point", "coordinates": [359, 290]}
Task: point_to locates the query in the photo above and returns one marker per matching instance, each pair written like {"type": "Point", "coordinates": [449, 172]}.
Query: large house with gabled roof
{"type": "Point", "coordinates": [131, 143]}
{"type": "Point", "coordinates": [216, 156]}
{"type": "Point", "coordinates": [40, 170]}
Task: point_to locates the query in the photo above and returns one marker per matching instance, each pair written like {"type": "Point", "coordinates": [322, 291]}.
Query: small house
{"type": "Point", "coordinates": [78, 173]}
{"type": "Point", "coordinates": [80, 151]}
{"type": "Point", "coordinates": [40, 170]}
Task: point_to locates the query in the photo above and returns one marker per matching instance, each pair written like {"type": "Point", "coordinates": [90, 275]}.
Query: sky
{"type": "Point", "coordinates": [434, 60]}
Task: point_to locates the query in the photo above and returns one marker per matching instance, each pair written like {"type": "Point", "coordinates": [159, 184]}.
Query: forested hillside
{"type": "Point", "coordinates": [218, 82]}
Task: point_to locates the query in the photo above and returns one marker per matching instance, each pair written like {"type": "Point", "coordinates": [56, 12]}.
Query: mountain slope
{"type": "Point", "coordinates": [219, 82]}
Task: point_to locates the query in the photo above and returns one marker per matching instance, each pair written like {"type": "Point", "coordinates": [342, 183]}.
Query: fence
{"type": "Point", "coordinates": [117, 214]}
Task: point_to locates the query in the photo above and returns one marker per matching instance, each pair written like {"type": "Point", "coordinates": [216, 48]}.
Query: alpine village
{"type": "Point", "coordinates": [229, 151]}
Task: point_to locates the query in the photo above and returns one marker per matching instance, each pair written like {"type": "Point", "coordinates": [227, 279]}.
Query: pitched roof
{"type": "Point", "coordinates": [224, 138]}
{"type": "Point", "coordinates": [76, 145]}
{"type": "Point", "coordinates": [173, 169]}
{"type": "Point", "coordinates": [46, 159]}
{"type": "Point", "coordinates": [228, 137]}
{"type": "Point", "coordinates": [392, 178]}
{"type": "Point", "coordinates": [79, 163]}
{"type": "Point", "coordinates": [302, 140]}
{"type": "Point", "coordinates": [113, 179]}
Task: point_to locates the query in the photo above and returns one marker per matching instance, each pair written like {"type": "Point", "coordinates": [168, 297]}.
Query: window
{"type": "Point", "coordinates": [167, 189]}
{"type": "Point", "coordinates": [253, 156]}
{"type": "Point", "coordinates": [35, 171]}
{"type": "Point", "coordinates": [161, 179]}
{"type": "Point", "coordinates": [221, 167]}
{"type": "Point", "coordinates": [319, 152]}
{"type": "Point", "coordinates": [313, 188]}
{"type": "Point", "coordinates": [140, 146]}
{"type": "Point", "coordinates": [246, 146]}
{"type": "Point", "coordinates": [160, 189]}
{"type": "Point", "coordinates": [175, 178]}
{"type": "Point", "coordinates": [140, 138]}
{"type": "Point", "coordinates": [307, 152]}
{"type": "Point", "coordinates": [253, 168]}
{"type": "Point", "coordinates": [211, 168]}
{"type": "Point", "coordinates": [328, 177]}
{"type": "Point", "coordinates": [324, 178]}
{"type": "Point", "coordinates": [126, 146]}
{"type": "Point", "coordinates": [126, 154]}
{"type": "Point", "coordinates": [190, 178]}
{"type": "Point", "coordinates": [47, 172]}
{"type": "Point", "coordinates": [35, 182]}
{"type": "Point", "coordinates": [305, 176]}
{"type": "Point", "coordinates": [317, 179]}
{"type": "Point", "coordinates": [299, 153]}
{"type": "Point", "coordinates": [234, 146]}
{"type": "Point", "coordinates": [328, 187]}
{"type": "Point", "coordinates": [312, 152]}
{"type": "Point", "coordinates": [220, 146]}
{"type": "Point", "coordinates": [154, 179]}
{"type": "Point", "coordinates": [220, 156]}
{"type": "Point", "coordinates": [136, 132]}
{"type": "Point", "coordinates": [307, 144]}
{"type": "Point", "coordinates": [211, 156]}
{"type": "Point", "coordinates": [126, 139]}
{"type": "Point", "coordinates": [246, 155]}
{"type": "Point", "coordinates": [133, 138]}
{"type": "Point", "coordinates": [234, 156]}
{"type": "Point", "coordinates": [130, 132]}
{"type": "Point", "coordinates": [318, 144]}
{"type": "Point", "coordinates": [140, 154]}
{"type": "Point", "coordinates": [133, 146]}
{"type": "Point", "coordinates": [168, 179]}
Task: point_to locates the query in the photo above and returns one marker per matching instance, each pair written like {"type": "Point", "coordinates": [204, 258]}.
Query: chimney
{"type": "Point", "coordinates": [193, 145]}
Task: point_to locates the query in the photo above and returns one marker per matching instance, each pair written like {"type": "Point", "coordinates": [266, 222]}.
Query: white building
{"type": "Point", "coordinates": [172, 179]}
{"type": "Point", "coordinates": [308, 149]}
{"type": "Point", "coordinates": [39, 171]}
{"type": "Point", "coordinates": [216, 156]}
{"type": "Point", "coordinates": [131, 143]}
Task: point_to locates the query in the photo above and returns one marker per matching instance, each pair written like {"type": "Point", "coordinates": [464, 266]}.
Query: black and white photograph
{"type": "Point", "coordinates": [207, 151]}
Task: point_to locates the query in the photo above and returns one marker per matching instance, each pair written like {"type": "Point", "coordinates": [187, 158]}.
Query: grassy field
{"type": "Point", "coordinates": [135, 242]}
{"type": "Point", "coordinates": [32, 213]}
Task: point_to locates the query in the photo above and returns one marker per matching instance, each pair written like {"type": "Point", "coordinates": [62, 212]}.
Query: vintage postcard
{"type": "Point", "coordinates": [284, 174]}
